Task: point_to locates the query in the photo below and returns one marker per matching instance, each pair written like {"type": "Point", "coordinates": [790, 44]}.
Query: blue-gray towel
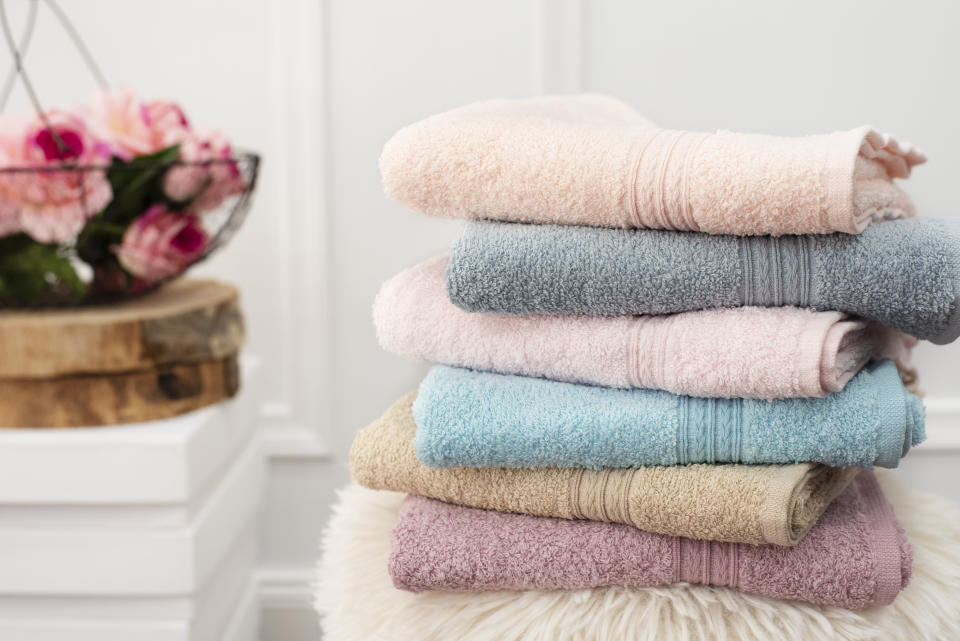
{"type": "Point", "coordinates": [904, 274]}
{"type": "Point", "coordinates": [479, 419]}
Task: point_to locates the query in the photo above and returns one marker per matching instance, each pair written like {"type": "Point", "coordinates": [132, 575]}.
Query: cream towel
{"type": "Point", "coordinates": [592, 160]}
{"type": "Point", "coordinates": [740, 503]}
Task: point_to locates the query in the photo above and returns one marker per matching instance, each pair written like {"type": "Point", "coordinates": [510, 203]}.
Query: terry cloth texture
{"type": "Point", "coordinates": [746, 352]}
{"type": "Point", "coordinates": [592, 160]}
{"type": "Point", "coordinates": [479, 419]}
{"type": "Point", "coordinates": [356, 599]}
{"type": "Point", "coordinates": [854, 557]}
{"type": "Point", "coordinates": [904, 274]}
{"type": "Point", "coordinates": [740, 503]}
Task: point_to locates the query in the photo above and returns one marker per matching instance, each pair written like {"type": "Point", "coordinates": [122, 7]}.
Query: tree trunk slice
{"type": "Point", "coordinates": [185, 321]}
{"type": "Point", "coordinates": [108, 399]}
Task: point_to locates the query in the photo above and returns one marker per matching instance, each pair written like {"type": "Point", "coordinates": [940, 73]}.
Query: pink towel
{"type": "Point", "coordinates": [854, 557]}
{"type": "Point", "coordinates": [592, 160]}
{"type": "Point", "coordinates": [748, 352]}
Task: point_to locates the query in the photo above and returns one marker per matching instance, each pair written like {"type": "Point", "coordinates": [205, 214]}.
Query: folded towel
{"type": "Point", "coordinates": [904, 274]}
{"type": "Point", "coordinates": [592, 160]}
{"type": "Point", "coordinates": [748, 352]}
{"type": "Point", "coordinates": [854, 557]}
{"type": "Point", "coordinates": [479, 419]}
{"type": "Point", "coordinates": [357, 599]}
{"type": "Point", "coordinates": [740, 503]}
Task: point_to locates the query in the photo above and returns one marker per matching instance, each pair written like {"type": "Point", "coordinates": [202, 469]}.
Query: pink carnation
{"type": "Point", "coordinates": [9, 199]}
{"type": "Point", "coordinates": [211, 177]}
{"type": "Point", "coordinates": [132, 127]}
{"type": "Point", "coordinates": [50, 204]}
{"type": "Point", "coordinates": [161, 243]}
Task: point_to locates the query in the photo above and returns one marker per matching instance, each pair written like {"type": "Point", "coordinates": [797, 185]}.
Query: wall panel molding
{"type": "Point", "coordinates": [286, 587]}
{"type": "Point", "coordinates": [303, 289]}
{"type": "Point", "coordinates": [294, 423]}
{"type": "Point", "coordinates": [558, 46]}
{"type": "Point", "coordinates": [294, 443]}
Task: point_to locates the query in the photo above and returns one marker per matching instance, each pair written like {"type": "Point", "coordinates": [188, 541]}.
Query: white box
{"type": "Point", "coordinates": [164, 550]}
{"type": "Point", "coordinates": [225, 609]}
{"type": "Point", "coordinates": [141, 532]}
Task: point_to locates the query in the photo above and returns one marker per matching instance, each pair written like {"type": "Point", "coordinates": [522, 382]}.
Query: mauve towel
{"type": "Point", "coordinates": [480, 419]}
{"type": "Point", "coordinates": [743, 503]}
{"type": "Point", "coordinates": [746, 352]}
{"type": "Point", "coordinates": [856, 555]}
{"type": "Point", "coordinates": [592, 160]}
{"type": "Point", "coordinates": [904, 274]}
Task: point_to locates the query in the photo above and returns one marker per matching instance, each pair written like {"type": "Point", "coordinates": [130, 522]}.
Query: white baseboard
{"type": "Point", "coordinates": [244, 625]}
{"type": "Point", "coordinates": [286, 605]}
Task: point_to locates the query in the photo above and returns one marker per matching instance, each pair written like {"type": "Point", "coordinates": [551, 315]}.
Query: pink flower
{"type": "Point", "coordinates": [9, 199]}
{"type": "Point", "coordinates": [133, 127]}
{"type": "Point", "coordinates": [161, 243]}
{"type": "Point", "coordinates": [50, 204]}
{"type": "Point", "coordinates": [211, 177]}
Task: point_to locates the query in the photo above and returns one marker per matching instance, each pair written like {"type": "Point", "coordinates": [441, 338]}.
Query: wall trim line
{"type": "Point", "coordinates": [285, 588]}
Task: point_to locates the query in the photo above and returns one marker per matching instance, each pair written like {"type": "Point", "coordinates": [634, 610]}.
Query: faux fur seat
{"type": "Point", "coordinates": [357, 601]}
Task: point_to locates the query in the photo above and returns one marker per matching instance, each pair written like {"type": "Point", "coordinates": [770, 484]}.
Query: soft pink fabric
{"type": "Point", "coordinates": [748, 352]}
{"type": "Point", "coordinates": [592, 160]}
{"type": "Point", "coordinates": [854, 557]}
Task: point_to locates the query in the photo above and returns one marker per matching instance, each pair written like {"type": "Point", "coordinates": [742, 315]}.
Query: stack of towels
{"type": "Point", "coordinates": [660, 356]}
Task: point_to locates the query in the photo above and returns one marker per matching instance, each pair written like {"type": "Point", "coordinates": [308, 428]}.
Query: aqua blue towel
{"type": "Point", "coordinates": [480, 419]}
{"type": "Point", "coordinates": [904, 274]}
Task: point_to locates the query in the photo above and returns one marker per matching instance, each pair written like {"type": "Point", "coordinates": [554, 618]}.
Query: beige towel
{"type": "Point", "coordinates": [741, 503]}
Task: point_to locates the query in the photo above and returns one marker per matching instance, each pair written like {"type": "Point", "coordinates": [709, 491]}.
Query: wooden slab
{"type": "Point", "coordinates": [185, 321]}
{"type": "Point", "coordinates": [108, 399]}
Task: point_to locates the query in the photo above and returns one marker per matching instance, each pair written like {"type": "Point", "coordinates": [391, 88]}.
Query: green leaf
{"type": "Point", "coordinates": [97, 238]}
{"type": "Point", "coordinates": [163, 157]}
{"type": "Point", "coordinates": [31, 272]}
{"type": "Point", "coordinates": [137, 183]}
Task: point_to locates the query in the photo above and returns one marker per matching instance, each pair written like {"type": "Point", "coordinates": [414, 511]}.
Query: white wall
{"type": "Point", "coordinates": [318, 86]}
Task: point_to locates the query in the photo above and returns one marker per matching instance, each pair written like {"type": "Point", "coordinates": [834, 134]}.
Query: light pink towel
{"type": "Point", "coordinates": [592, 160]}
{"type": "Point", "coordinates": [748, 352]}
{"type": "Point", "coordinates": [854, 557]}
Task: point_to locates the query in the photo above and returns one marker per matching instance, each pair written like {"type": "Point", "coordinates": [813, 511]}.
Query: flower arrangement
{"type": "Point", "coordinates": [110, 199]}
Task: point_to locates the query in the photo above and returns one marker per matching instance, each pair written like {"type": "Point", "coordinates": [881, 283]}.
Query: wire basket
{"type": "Point", "coordinates": [142, 237]}
{"type": "Point", "coordinates": [84, 220]}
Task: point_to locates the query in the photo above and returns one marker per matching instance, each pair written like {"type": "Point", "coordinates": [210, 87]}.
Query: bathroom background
{"type": "Point", "coordinates": [317, 86]}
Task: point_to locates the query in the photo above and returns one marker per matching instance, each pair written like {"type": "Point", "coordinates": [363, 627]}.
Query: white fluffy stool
{"type": "Point", "coordinates": [357, 601]}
